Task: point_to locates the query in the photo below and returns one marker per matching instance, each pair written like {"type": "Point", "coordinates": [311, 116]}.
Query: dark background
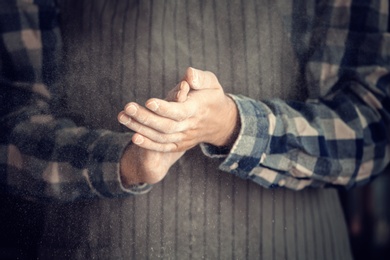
{"type": "Point", "coordinates": [367, 214]}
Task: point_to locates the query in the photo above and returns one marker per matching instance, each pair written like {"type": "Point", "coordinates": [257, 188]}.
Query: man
{"type": "Point", "coordinates": [136, 50]}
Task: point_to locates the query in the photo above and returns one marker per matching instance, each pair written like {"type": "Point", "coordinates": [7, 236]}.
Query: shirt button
{"type": "Point", "coordinates": [282, 182]}
{"type": "Point", "coordinates": [234, 166]}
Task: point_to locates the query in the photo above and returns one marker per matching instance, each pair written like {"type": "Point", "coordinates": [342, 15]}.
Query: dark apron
{"type": "Point", "coordinates": [122, 51]}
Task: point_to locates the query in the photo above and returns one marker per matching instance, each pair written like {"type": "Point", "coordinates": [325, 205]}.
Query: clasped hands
{"type": "Point", "coordinates": [196, 111]}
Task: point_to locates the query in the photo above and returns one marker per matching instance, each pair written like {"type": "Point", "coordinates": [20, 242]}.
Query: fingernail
{"type": "Point", "coordinates": [152, 105]}
{"type": "Point", "coordinates": [131, 110]}
{"type": "Point", "coordinates": [139, 140]}
{"type": "Point", "coordinates": [123, 119]}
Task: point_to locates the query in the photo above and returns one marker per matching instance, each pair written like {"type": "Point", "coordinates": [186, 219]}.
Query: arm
{"type": "Point", "coordinates": [43, 156]}
{"type": "Point", "coordinates": [341, 138]}
{"type": "Point", "coordinates": [148, 166]}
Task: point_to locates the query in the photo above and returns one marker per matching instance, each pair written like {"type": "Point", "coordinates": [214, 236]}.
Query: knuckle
{"type": "Point", "coordinates": [164, 148]}
{"type": "Point", "coordinates": [171, 128]}
{"type": "Point", "coordinates": [167, 148]}
{"type": "Point", "coordinates": [144, 119]}
{"type": "Point", "coordinates": [162, 110]}
{"type": "Point", "coordinates": [193, 124]}
{"type": "Point", "coordinates": [161, 138]}
{"type": "Point", "coordinates": [181, 117]}
{"type": "Point", "coordinates": [175, 147]}
{"type": "Point", "coordinates": [139, 129]}
{"type": "Point", "coordinates": [179, 138]}
{"type": "Point", "coordinates": [130, 124]}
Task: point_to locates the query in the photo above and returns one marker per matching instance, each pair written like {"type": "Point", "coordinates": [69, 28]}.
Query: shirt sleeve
{"type": "Point", "coordinates": [43, 156]}
{"type": "Point", "coordinates": [341, 135]}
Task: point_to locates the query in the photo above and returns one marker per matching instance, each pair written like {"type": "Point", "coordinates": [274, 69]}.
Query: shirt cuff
{"type": "Point", "coordinates": [252, 141]}
{"type": "Point", "coordinates": [104, 170]}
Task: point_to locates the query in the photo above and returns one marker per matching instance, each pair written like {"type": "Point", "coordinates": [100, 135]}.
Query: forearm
{"type": "Point", "coordinates": [341, 140]}
{"type": "Point", "coordinates": [342, 136]}
{"type": "Point", "coordinates": [43, 156]}
{"type": "Point", "coordinates": [53, 158]}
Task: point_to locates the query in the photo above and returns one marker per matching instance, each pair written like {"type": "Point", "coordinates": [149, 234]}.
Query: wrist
{"type": "Point", "coordinates": [129, 167]}
{"type": "Point", "coordinates": [232, 125]}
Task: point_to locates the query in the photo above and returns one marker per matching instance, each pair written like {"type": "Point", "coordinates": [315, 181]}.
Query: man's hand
{"type": "Point", "coordinates": [206, 116]}
{"type": "Point", "coordinates": [139, 165]}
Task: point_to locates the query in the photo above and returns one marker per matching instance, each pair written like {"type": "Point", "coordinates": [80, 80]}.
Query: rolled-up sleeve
{"type": "Point", "coordinates": [341, 135]}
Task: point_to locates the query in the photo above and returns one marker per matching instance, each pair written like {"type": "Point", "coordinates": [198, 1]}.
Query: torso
{"type": "Point", "coordinates": [122, 51]}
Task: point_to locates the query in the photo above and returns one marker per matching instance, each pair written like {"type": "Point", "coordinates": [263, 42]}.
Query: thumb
{"type": "Point", "coordinates": [199, 79]}
{"type": "Point", "coordinates": [178, 93]}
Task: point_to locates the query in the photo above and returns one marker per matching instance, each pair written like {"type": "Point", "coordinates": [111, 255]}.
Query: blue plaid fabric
{"type": "Point", "coordinates": [340, 135]}
{"type": "Point", "coordinates": [42, 156]}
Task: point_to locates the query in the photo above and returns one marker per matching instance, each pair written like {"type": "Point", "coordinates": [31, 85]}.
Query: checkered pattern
{"type": "Point", "coordinates": [40, 156]}
{"type": "Point", "coordinates": [340, 136]}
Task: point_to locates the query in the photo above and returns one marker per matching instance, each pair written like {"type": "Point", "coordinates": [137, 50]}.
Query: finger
{"type": "Point", "coordinates": [173, 93]}
{"type": "Point", "coordinates": [179, 93]}
{"type": "Point", "coordinates": [182, 95]}
{"type": "Point", "coordinates": [140, 119]}
{"type": "Point", "coordinates": [198, 79]}
{"type": "Point", "coordinates": [172, 110]}
{"type": "Point", "coordinates": [151, 133]}
{"type": "Point", "coordinates": [142, 115]}
{"type": "Point", "coordinates": [123, 118]}
{"type": "Point", "coordinates": [146, 143]}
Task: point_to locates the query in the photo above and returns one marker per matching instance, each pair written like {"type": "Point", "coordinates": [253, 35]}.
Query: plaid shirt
{"type": "Point", "coordinates": [338, 137]}
{"type": "Point", "coordinates": [42, 156]}
{"type": "Point", "coordinates": [341, 135]}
